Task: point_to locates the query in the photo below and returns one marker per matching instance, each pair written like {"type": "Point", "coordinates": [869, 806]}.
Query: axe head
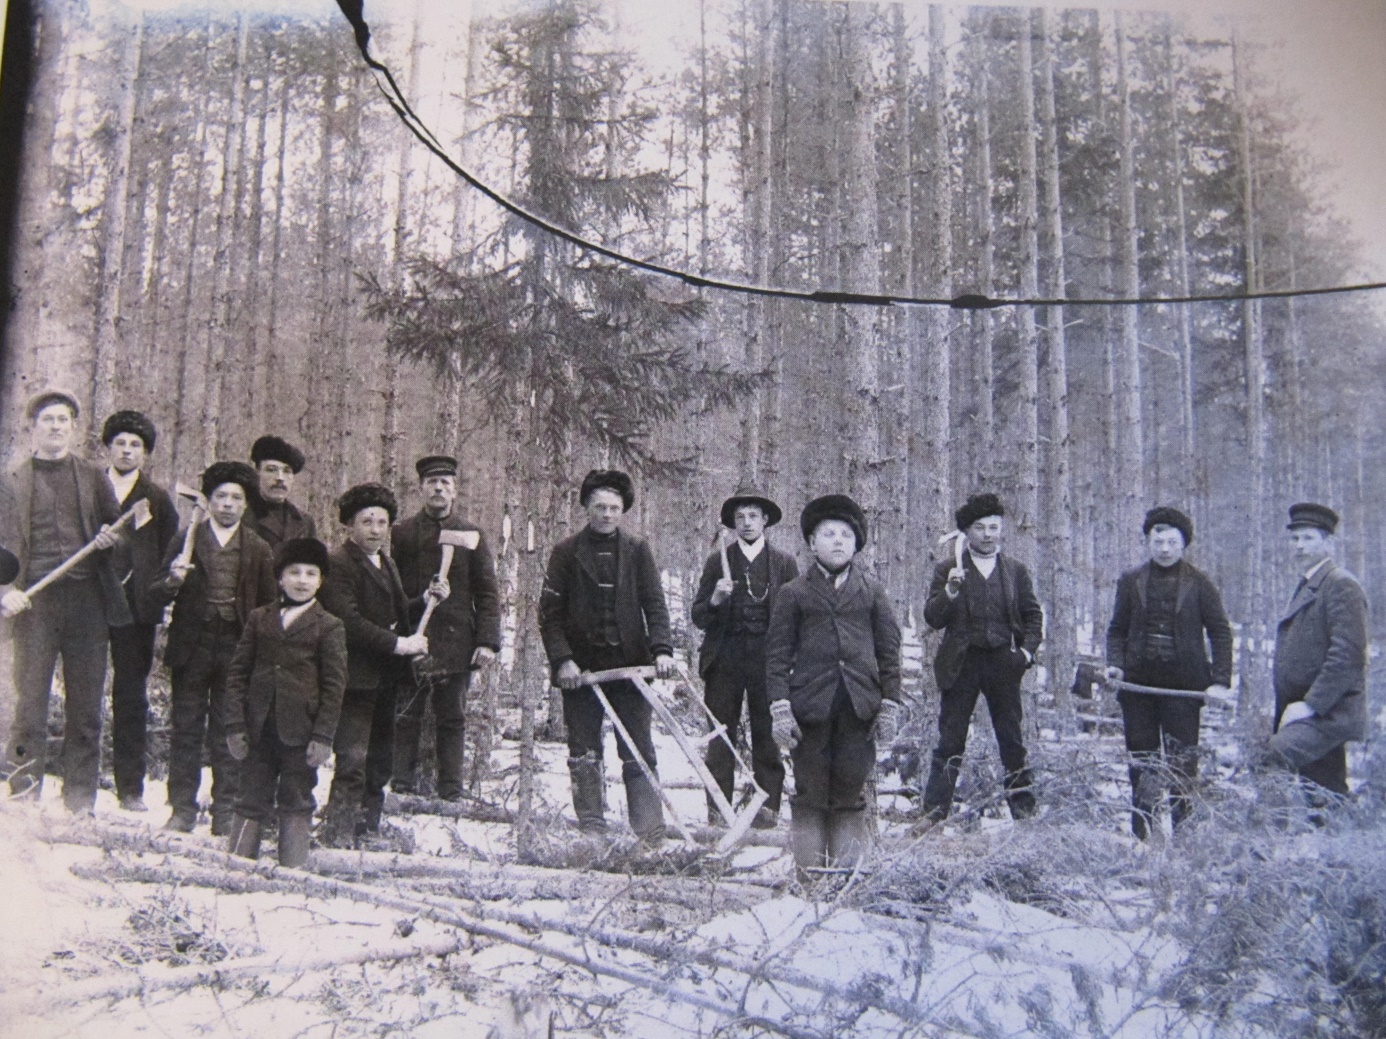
{"type": "Point", "coordinates": [468, 539]}
{"type": "Point", "coordinates": [141, 513]}
{"type": "Point", "coordinates": [190, 494]}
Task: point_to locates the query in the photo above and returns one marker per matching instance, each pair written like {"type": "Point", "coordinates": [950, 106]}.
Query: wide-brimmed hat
{"type": "Point", "coordinates": [747, 495]}
{"type": "Point", "coordinates": [834, 507]}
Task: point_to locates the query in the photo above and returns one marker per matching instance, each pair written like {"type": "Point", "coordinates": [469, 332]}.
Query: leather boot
{"type": "Point", "coordinates": [589, 792]}
{"type": "Point", "coordinates": [643, 806]}
{"type": "Point", "coordinates": [245, 837]}
{"type": "Point", "coordinates": [848, 839]}
{"type": "Point", "coordinates": [295, 836]}
{"type": "Point", "coordinates": [808, 838]}
{"type": "Point", "coordinates": [338, 829]}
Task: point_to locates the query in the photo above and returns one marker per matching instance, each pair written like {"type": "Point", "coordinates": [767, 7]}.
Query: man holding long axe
{"type": "Point", "coordinates": [66, 600]}
{"type": "Point", "coordinates": [439, 552]}
{"type": "Point", "coordinates": [733, 605]}
{"type": "Point", "coordinates": [129, 437]}
{"type": "Point", "coordinates": [1166, 616]}
{"type": "Point", "coordinates": [215, 575]}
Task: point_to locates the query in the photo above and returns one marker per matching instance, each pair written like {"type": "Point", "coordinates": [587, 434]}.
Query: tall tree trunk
{"type": "Point", "coordinates": [1025, 531]}
{"type": "Point", "coordinates": [1130, 487]}
{"type": "Point", "coordinates": [986, 222]}
{"type": "Point", "coordinates": [1058, 476]}
{"type": "Point", "coordinates": [114, 207]}
{"type": "Point", "coordinates": [1184, 316]}
{"type": "Point", "coordinates": [248, 328]}
{"type": "Point", "coordinates": [267, 376]}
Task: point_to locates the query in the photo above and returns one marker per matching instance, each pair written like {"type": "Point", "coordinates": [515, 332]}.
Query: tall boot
{"type": "Point", "coordinates": [589, 792]}
{"type": "Point", "coordinates": [245, 837]}
{"type": "Point", "coordinates": [643, 806]}
{"type": "Point", "coordinates": [295, 836]}
{"type": "Point", "coordinates": [848, 838]}
{"type": "Point", "coordinates": [808, 838]}
{"type": "Point", "coordinates": [338, 828]}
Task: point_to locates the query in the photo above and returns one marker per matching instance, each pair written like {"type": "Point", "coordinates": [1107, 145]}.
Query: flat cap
{"type": "Point", "coordinates": [436, 465]}
{"type": "Point", "coordinates": [43, 398]}
{"type": "Point", "coordinates": [1312, 514]}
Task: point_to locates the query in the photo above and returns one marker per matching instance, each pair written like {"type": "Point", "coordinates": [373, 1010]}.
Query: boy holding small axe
{"type": "Point", "coordinates": [215, 575]}
{"type": "Point", "coordinates": [66, 600]}
{"type": "Point", "coordinates": [437, 550]}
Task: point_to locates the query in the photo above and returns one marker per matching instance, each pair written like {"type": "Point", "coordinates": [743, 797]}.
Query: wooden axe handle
{"type": "Point", "coordinates": [184, 556]}
{"type": "Point", "coordinates": [444, 565]}
{"type": "Point", "coordinates": [67, 564]}
{"type": "Point", "coordinates": [722, 547]}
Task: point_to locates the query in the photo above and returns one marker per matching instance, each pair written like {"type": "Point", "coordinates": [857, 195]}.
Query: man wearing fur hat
{"type": "Point", "coordinates": [363, 590]}
{"type": "Point", "coordinates": [602, 607]}
{"type": "Point", "coordinates": [61, 504]}
{"type": "Point", "coordinates": [276, 519]}
{"type": "Point", "coordinates": [832, 674]}
{"type": "Point", "coordinates": [993, 626]}
{"type": "Point", "coordinates": [1166, 616]}
{"type": "Point", "coordinates": [1320, 670]}
{"type": "Point", "coordinates": [464, 629]}
{"type": "Point", "coordinates": [734, 608]}
{"type": "Point", "coordinates": [229, 574]}
{"type": "Point", "coordinates": [129, 437]}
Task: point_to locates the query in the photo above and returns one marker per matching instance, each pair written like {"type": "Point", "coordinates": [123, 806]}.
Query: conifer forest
{"type": "Point", "coordinates": [223, 223]}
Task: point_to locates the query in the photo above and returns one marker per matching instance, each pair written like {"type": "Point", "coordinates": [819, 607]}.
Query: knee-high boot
{"type": "Point", "coordinates": [643, 806]}
{"type": "Point", "coordinates": [589, 792]}
{"type": "Point", "coordinates": [808, 837]}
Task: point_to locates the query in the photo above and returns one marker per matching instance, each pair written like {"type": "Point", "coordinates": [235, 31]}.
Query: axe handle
{"type": "Point", "coordinates": [958, 551]}
{"type": "Point", "coordinates": [67, 564]}
{"type": "Point", "coordinates": [185, 554]}
{"type": "Point", "coordinates": [726, 564]}
{"type": "Point", "coordinates": [443, 567]}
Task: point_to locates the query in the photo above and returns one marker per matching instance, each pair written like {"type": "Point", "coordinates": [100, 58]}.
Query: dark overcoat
{"type": "Point", "coordinates": [953, 616]}
{"type": "Point", "coordinates": [1197, 610]}
{"type": "Point", "coordinates": [299, 673]}
{"type": "Point", "coordinates": [470, 615]}
{"type": "Point", "coordinates": [820, 635]}
{"type": "Point", "coordinates": [97, 505]}
{"type": "Point", "coordinates": [714, 619]}
{"type": "Point", "coordinates": [1321, 652]}
{"type": "Point", "coordinates": [570, 610]}
{"type": "Point", "coordinates": [279, 523]}
{"type": "Point", "coordinates": [372, 606]}
{"type": "Point", "coordinates": [140, 554]}
{"type": "Point", "coordinates": [255, 587]}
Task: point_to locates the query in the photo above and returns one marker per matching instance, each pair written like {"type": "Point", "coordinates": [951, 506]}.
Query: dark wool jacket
{"type": "Point", "coordinates": [714, 619]}
{"type": "Point", "coordinates": [300, 674]}
{"type": "Point", "coordinates": [277, 524]}
{"type": "Point", "coordinates": [373, 608]}
{"type": "Point", "coordinates": [97, 506]}
{"type": "Point", "coordinates": [1023, 614]}
{"type": "Point", "coordinates": [1198, 609]}
{"type": "Point", "coordinates": [820, 636]}
{"type": "Point", "coordinates": [140, 554]}
{"type": "Point", "coordinates": [570, 605]}
{"type": "Point", "coordinates": [255, 587]}
{"type": "Point", "coordinates": [1321, 652]}
{"type": "Point", "coordinates": [470, 615]}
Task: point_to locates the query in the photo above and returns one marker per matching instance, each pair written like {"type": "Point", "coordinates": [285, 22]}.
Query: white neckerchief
{"type": "Point", "coordinates": [1315, 568]}
{"type": "Point", "coordinates": [123, 483]}
{"type": "Point", "coordinates": [840, 579]}
{"type": "Point", "coordinates": [223, 535]}
{"type": "Point", "coordinates": [751, 551]}
{"type": "Point", "coordinates": [984, 564]}
{"type": "Point", "coordinates": [289, 614]}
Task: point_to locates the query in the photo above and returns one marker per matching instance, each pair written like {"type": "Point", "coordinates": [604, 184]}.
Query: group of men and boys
{"type": "Point", "coordinates": [283, 653]}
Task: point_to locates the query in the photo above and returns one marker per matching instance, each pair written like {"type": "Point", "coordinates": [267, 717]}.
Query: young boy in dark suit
{"type": "Point", "coordinates": [283, 698]}
{"type": "Point", "coordinates": [832, 674]}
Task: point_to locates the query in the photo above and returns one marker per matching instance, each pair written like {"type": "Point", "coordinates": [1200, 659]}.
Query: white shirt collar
{"type": "Point", "coordinates": [840, 579]}
{"type": "Point", "coordinates": [984, 564]}
{"type": "Point", "coordinates": [753, 550]}
{"type": "Point", "coordinates": [222, 535]}
{"type": "Point", "coordinates": [289, 614]}
{"type": "Point", "coordinates": [1316, 568]}
{"type": "Point", "coordinates": [374, 557]}
{"type": "Point", "coordinates": [123, 483]}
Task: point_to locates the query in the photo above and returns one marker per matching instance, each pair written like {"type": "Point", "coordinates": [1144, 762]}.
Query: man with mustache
{"type": "Point", "coordinates": [464, 631]}
{"type": "Point", "coordinates": [276, 519]}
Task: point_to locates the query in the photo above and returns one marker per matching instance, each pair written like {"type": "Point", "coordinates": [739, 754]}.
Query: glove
{"type": "Point", "coordinates": [238, 746]}
{"type": "Point", "coordinates": [318, 753]}
{"type": "Point", "coordinates": [887, 724]}
{"type": "Point", "coordinates": [783, 726]}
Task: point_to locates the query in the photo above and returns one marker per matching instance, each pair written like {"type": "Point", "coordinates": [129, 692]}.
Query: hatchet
{"type": "Point", "coordinates": [450, 541]}
{"type": "Point", "coordinates": [959, 539]}
{"type": "Point", "coordinates": [199, 512]}
{"type": "Point", "coordinates": [138, 514]}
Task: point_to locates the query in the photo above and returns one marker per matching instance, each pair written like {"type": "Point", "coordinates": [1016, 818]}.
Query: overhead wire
{"type": "Point", "coordinates": [354, 11]}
